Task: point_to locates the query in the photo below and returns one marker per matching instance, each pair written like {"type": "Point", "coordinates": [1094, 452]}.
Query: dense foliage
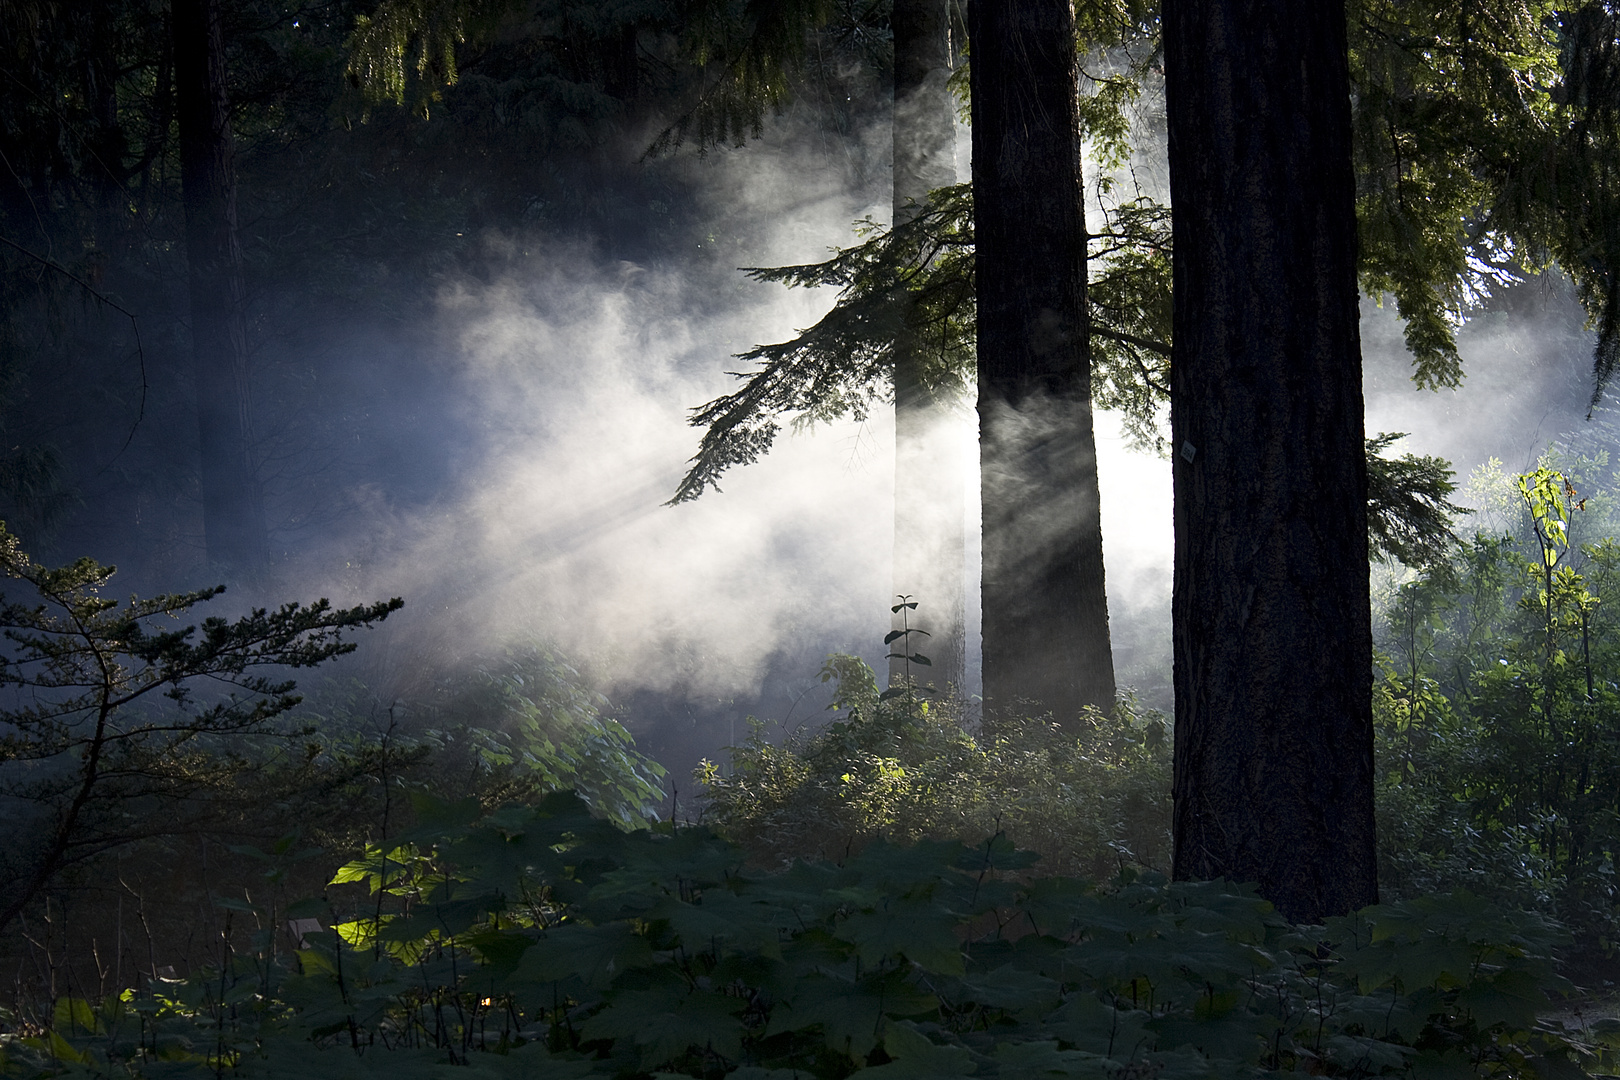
{"type": "Point", "coordinates": [1092, 798]}
{"type": "Point", "coordinates": [1498, 712]}
{"type": "Point", "coordinates": [1484, 136]}
{"type": "Point", "coordinates": [543, 942]}
{"type": "Point", "coordinates": [490, 923]}
{"type": "Point", "coordinates": [132, 744]}
{"type": "Point", "coordinates": [1499, 707]}
{"type": "Point", "coordinates": [112, 729]}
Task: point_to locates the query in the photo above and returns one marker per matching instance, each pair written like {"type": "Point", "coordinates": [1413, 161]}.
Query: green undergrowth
{"type": "Point", "coordinates": [1497, 709]}
{"type": "Point", "coordinates": [544, 942]}
{"type": "Point", "coordinates": [1093, 797]}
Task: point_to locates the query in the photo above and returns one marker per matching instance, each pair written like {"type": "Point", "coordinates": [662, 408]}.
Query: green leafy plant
{"type": "Point", "coordinates": [897, 767]}
{"type": "Point", "coordinates": [541, 941]}
{"type": "Point", "coordinates": [1499, 714]}
{"type": "Point", "coordinates": [537, 726]}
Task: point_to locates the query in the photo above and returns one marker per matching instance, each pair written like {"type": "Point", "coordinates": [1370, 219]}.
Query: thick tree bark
{"type": "Point", "coordinates": [929, 485]}
{"type": "Point", "coordinates": [233, 510]}
{"type": "Point", "coordinates": [1272, 629]}
{"type": "Point", "coordinates": [1045, 606]}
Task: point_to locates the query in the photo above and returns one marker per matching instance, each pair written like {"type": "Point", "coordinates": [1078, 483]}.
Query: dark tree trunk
{"type": "Point", "coordinates": [1045, 606]}
{"type": "Point", "coordinates": [233, 511]}
{"type": "Point", "coordinates": [1273, 646]}
{"type": "Point", "coordinates": [930, 489]}
{"type": "Point", "coordinates": [98, 36]}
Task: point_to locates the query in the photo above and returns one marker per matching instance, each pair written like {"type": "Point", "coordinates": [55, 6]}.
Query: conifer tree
{"type": "Point", "coordinates": [233, 507]}
{"type": "Point", "coordinates": [117, 724]}
{"type": "Point", "coordinates": [1045, 605]}
{"type": "Point", "coordinates": [929, 480]}
{"type": "Point", "coordinates": [1272, 625]}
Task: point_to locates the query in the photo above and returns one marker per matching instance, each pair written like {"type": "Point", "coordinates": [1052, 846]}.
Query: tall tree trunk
{"type": "Point", "coordinates": [1045, 605]}
{"type": "Point", "coordinates": [1272, 628]}
{"type": "Point", "coordinates": [929, 485]}
{"type": "Point", "coordinates": [233, 511]}
{"type": "Point", "coordinates": [98, 35]}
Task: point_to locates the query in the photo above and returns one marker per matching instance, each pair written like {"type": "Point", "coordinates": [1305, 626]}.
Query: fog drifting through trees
{"type": "Point", "coordinates": [565, 379]}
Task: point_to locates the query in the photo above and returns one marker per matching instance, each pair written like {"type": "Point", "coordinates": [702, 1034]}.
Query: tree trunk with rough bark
{"type": "Point", "coordinates": [930, 489]}
{"type": "Point", "coordinates": [1272, 628]}
{"type": "Point", "coordinates": [233, 510]}
{"type": "Point", "coordinates": [1046, 642]}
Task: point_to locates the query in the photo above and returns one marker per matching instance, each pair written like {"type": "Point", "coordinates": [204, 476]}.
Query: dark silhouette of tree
{"type": "Point", "coordinates": [930, 485]}
{"type": "Point", "coordinates": [1272, 625]}
{"type": "Point", "coordinates": [233, 507]}
{"type": "Point", "coordinates": [1045, 605]}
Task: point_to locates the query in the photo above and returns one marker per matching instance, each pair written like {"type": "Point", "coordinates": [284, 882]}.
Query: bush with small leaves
{"type": "Point", "coordinates": [1091, 799]}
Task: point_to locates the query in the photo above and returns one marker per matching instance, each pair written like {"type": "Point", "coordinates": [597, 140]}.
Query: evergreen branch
{"type": "Point", "coordinates": [1408, 510]}
{"type": "Point", "coordinates": [1131, 339]}
{"type": "Point", "coordinates": [917, 278]}
{"type": "Point", "coordinates": [82, 661]}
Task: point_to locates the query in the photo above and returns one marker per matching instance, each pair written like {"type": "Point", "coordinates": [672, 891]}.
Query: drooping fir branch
{"type": "Point", "coordinates": [405, 38]}
{"type": "Point", "coordinates": [721, 67]}
{"type": "Point", "coordinates": [1487, 145]}
{"type": "Point", "coordinates": [1409, 512]}
{"type": "Point", "coordinates": [1129, 299]}
{"type": "Point", "coordinates": [747, 59]}
{"type": "Point", "coordinates": [919, 275]}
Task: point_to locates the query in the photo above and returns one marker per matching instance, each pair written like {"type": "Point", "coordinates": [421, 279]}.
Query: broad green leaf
{"type": "Point", "coordinates": [1081, 910]}
{"type": "Point", "coordinates": [1236, 1036]}
{"type": "Point", "coordinates": [850, 1015]}
{"type": "Point", "coordinates": [892, 869]}
{"type": "Point", "coordinates": [1097, 1027]}
{"type": "Point", "coordinates": [920, 930]}
{"type": "Point", "coordinates": [1362, 1054]}
{"type": "Point", "coordinates": [722, 917]}
{"type": "Point", "coordinates": [596, 954]}
{"type": "Point", "coordinates": [996, 853]}
{"type": "Point", "coordinates": [1040, 1058]}
{"type": "Point", "coordinates": [1011, 988]}
{"type": "Point", "coordinates": [75, 1016]}
{"type": "Point", "coordinates": [663, 1022]}
{"type": "Point", "coordinates": [917, 1056]}
{"type": "Point", "coordinates": [533, 1062]}
{"type": "Point", "coordinates": [1443, 1065]}
{"type": "Point", "coordinates": [54, 1044]}
{"type": "Point", "coordinates": [499, 949]}
{"type": "Point", "coordinates": [1513, 998]}
{"type": "Point", "coordinates": [434, 813]}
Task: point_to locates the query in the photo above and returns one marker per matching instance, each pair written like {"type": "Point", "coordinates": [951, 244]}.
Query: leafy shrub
{"type": "Point", "coordinates": [137, 751]}
{"type": "Point", "coordinates": [1090, 799]}
{"type": "Point", "coordinates": [510, 726]}
{"type": "Point", "coordinates": [543, 942]}
{"type": "Point", "coordinates": [1498, 715]}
